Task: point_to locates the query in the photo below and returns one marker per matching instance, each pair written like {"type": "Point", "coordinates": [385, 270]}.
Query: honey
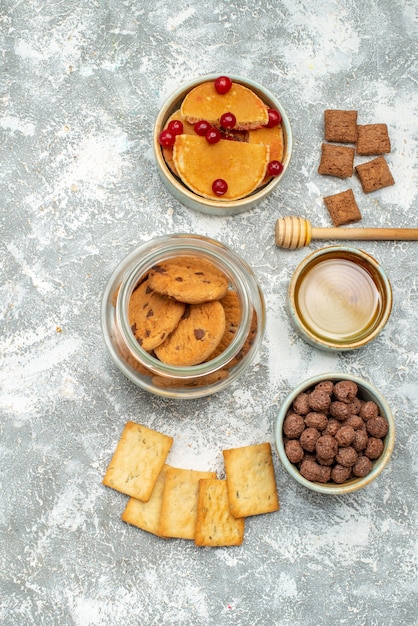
{"type": "Point", "coordinates": [339, 298]}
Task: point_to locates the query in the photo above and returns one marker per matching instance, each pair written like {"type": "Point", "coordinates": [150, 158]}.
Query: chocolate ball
{"type": "Point", "coordinates": [293, 426]}
{"type": "Point", "coordinates": [316, 420]}
{"type": "Point", "coordinates": [345, 436]}
{"type": "Point", "coordinates": [314, 472]}
{"type": "Point", "coordinates": [346, 456]}
{"type": "Point", "coordinates": [339, 410]}
{"type": "Point", "coordinates": [339, 473]}
{"type": "Point", "coordinates": [319, 400]}
{"type": "Point", "coordinates": [355, 406]}
{"type": "Point", "coordinates": [301, 404]}
{"type": "Point", "coordinates": [377, 427]}
{"type": "Point", "coordinates": [369, 409]}
{"type": "Point", "coordinates": [360, 440]}
{"type": "Point", "coordinates": [310, 470]}
{"type": "Point", "coordinates": [308, 439]}
{"type": "Point", "coordinates": [345, 390]}
{"type": "Point", "coordinates": [332, 427]}
{"type": "Point", "coordinates": [374, 448]}
{"type": "Point", "coordinates": [356, 422]}
{"type": "Point", "coordinates": [326, 447]}
{"type": "Point", "coordinates": [362, 467]}
{"type": "Point", "coordinates": [294, 451]}
{"type": "Point", "coordinates": [325, 385]}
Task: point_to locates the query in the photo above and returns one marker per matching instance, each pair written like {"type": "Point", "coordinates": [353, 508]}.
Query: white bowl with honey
{"type": "Point", "coordinates": [339, 298]}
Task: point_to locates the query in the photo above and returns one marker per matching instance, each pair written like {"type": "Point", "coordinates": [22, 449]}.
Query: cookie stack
{"type": "Point", "coordinates": [184, 313]}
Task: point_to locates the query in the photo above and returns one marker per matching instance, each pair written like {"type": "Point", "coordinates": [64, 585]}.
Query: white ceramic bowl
{"type": "Point", "coordinates": [339, 298]}
{"type": "Point", "coordinates": [191, 199]}
{"type": "Point", "coordinates": [366, 392]}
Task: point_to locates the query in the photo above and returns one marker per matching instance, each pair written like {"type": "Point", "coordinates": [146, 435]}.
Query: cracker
{"type": "Point", "coordinates": [250, 480]}
{"type": "Point", "coordinates": [215, 526]}
{"type": "Point", "coordinates": [343, 208]}
{"type": "Point", "coordinates": [179, 506]}
{"type": "Point", "coordinates": [146, 515]}
{"type": "Point", "coordinates": [336, 161]}
{"type": "Point", "coordinates": [372, 139]}
{"type": "Point", "coordinates": [137, 461]}
{"type": "Point", "coordinates": [340, 126]}
{"type": "Point", "coordinates": [374, 175]}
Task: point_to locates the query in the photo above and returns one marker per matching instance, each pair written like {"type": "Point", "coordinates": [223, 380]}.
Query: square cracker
{"type": "Point", "coordinates": [146, 515]}
{"type": "Point", "coordinates": [250, 480]}
{"type": "Point", "coordinates": [336, 161]}
{"type": "Point", "coordinates": [374, 175]}
{"type": "Point", "coordinates": [137, 461]}
{"type": "Point", "coordinates": [179, 506]}
{"type": "Point", "coordinates": [215, 526]}
{"type": "Point", "coordinates": [340, 125]}
{"type": "Point", "coordinates": [372, 139]}
{"type": "Point", "coordinates": [343, 208]}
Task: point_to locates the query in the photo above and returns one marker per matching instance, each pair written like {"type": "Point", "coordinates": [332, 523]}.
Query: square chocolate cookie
{"type": "Point", "coordinates": [340, 126]}
{"type": "Point", "coordinates": [374, 175]}
{"type": "Point", "coordinates": [372, 139]}
{"type": "Point", "coordinates": [343, 208]}
{"type": "Point", "coordinates": [336, 161]}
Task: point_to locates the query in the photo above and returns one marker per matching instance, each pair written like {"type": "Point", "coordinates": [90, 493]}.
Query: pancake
{"type": "Point", "coordinates": [272, 137]}
{"type": "Point", "coordinates": [205, 103]}
{"type": "Point", "coordinates": [168, 150]}
{"type": "Point", "coordinates": [198, 163]}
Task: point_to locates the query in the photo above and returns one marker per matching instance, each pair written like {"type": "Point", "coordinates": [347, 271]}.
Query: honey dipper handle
{"type": "Point", "coordinates": [366, 234]}
{"type": "Point", "coordinates": [293, 232]}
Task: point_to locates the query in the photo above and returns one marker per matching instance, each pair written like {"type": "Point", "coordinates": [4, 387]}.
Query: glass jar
{"type": "Point", "coordinates": [144, 368]}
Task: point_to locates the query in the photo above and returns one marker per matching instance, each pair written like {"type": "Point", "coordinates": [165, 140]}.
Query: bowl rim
{"type": "Point", "coordinates": [353, 484]}
{"type": "Point", "coordinates": [322, 342]}
{"type": "Point", "coordinates": [180, 191]}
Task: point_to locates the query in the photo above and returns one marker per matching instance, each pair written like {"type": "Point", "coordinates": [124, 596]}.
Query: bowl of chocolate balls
{"type": "Point", "coordinates": [335, 433]}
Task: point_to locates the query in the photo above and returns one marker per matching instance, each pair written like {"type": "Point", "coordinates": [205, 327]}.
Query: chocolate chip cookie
{"type": "Point", "coordinates": [189, 280]}
{"type": "Point", "coordinates": [196, 335]}
{"type": "Point", "coordinates": [153, 316]}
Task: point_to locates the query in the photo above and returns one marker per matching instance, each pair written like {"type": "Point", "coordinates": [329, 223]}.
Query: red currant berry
{"type": "Point", "coordinates": [213, 135]}
{"type": "Point", "coordinates": [228, 120]}
{"type": "Point", "coordinates": [166, 138]}
{"type": "Point", "coordinates": [175, 127]}
{"type": "Point", "coordinates": [223, 84]}
{"type": "Point", "coordinates": [274, 118]}
{"type": "Point", "coordinates": [274, 168]}
{"type": "Point", "coordinates": [202, 127]}
{"type": "Point", "coordinates": [219, 187]}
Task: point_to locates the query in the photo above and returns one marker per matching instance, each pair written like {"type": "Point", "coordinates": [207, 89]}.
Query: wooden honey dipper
{"type": "Point", "coordinates": [297, 232]}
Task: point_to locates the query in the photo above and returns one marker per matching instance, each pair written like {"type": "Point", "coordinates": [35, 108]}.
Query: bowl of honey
{"type": "Point", "coordinates": [339, 298]}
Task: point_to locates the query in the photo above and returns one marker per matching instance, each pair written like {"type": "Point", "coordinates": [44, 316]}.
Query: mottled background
{"type": "Point", "coordinates": [81, 84]}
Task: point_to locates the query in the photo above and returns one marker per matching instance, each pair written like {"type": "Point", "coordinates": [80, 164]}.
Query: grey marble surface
{"type": "Point", "coordinates": [81, 84]}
